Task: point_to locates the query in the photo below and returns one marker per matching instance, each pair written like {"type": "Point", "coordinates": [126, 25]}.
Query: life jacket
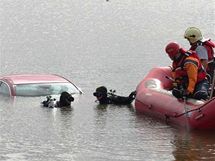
{"type": "Point", "coordinates": [209, 45]}
{"type": "Point", "coordinates": [178, 66]}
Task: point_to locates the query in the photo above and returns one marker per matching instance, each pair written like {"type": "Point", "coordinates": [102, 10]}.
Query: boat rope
{"type": "Point", "coordinates": [184, 113]}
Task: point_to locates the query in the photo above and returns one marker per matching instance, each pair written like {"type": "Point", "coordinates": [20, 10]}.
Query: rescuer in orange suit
{"type": "Point", "coordinates": [188, 73]}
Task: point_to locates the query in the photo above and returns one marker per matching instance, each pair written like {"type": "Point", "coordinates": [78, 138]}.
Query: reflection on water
{"type": "Point", "coordinates": [196, 145]}
{"type": "Point", "coordinates": [129, 136]}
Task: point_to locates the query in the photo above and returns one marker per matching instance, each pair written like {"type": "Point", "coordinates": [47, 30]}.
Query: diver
{"type": "Point", "coordinates": [105, 97]}
{"type": "Point", "coordinates": [64, 101]}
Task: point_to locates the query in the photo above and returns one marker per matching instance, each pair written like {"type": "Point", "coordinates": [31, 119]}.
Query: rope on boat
{"type": "Point", "coordinates": [184, 113]}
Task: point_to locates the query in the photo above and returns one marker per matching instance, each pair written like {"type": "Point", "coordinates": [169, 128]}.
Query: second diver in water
{"type": "Point", "coordinates": [105, 97]}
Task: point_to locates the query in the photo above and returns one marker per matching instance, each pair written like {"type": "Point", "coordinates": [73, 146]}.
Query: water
{"type": "Point", "coordinates": [95, 43]}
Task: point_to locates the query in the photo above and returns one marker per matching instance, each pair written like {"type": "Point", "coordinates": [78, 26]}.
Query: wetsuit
{"type": "Point", "coordinates": [110, 98]}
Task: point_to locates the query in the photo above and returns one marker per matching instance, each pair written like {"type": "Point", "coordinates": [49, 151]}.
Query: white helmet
{"type": "Point", "coordinates": [193, 34]}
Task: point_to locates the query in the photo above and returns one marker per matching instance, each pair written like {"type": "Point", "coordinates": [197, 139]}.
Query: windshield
{"type": "Point", "coordinates": [44, 89]}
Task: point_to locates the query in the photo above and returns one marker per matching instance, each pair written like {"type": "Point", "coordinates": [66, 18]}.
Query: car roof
{"type": "Point", "coordinates": [34, 78]}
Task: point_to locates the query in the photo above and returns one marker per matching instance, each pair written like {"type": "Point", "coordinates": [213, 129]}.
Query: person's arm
{"type": "Point", "coordinates": [192, 73]}
{"type": "Point", "coordinates": [203, 55]}
{"type": "Point", "coordinates": [204, 63]}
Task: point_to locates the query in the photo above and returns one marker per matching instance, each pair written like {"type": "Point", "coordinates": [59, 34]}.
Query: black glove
{"type": "Point", "coordinates": [180, 93]}
{"type": "Point", "coordinates": [132, 95]}
{"type": "Point", "coordinates": [186, 93]}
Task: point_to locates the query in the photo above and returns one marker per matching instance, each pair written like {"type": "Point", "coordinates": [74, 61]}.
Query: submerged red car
{"type": "Point", "coordinates": [30, 85]}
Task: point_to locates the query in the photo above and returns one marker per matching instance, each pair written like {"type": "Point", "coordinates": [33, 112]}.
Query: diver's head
{"type": "Point", "coordinates": [101, 92]}
{"type": "Point", "coordinates": [66, 99]}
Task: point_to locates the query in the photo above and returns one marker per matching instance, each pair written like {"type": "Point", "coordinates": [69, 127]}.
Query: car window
{"type": "Point", "coordinates": [44, 89]}
{"type": "Point", "coordinates": [4, 89]}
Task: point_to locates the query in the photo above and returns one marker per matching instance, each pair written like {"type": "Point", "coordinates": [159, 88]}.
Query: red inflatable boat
{"type": "Point", "coordinates": [155, 99]}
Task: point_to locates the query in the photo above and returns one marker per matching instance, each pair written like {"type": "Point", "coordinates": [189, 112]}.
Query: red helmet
{"type": "Point", "coordinates": [172, 49]}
